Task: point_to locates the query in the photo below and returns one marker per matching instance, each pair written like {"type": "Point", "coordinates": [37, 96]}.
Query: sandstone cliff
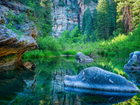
{"type": "Point", "coordinates": [17, 34]}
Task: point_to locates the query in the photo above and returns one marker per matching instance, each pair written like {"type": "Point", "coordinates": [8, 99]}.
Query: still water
{"type": "Point", "coordinates": [43, 84]}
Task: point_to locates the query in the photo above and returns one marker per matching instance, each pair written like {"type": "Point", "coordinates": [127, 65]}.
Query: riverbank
{"type": "Point", "coordinates": [118, 47]}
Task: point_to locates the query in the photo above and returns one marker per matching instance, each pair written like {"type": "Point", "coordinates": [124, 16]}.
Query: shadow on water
{"type": "Point", "coordinates": [44, 85]}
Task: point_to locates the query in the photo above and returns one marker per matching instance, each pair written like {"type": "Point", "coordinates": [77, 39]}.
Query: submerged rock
{"type": "Point", "coordinates": [99, 79]}
{"type": "Point", "coordinates": [134, 61]}
{"type": "Point", "coordinates": [80, 57]}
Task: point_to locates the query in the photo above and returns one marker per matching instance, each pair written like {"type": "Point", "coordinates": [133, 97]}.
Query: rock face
{"type": "Point", "coordinates": [99, 79]}
{"type": "Point", "coordinates": [134, 61]}
{"type": "Point", "coordinates": [83, 58]}
{"type": "Point", "coordinates": [13, 43]}
{"type": "Point", "coordinates": [68, 16]}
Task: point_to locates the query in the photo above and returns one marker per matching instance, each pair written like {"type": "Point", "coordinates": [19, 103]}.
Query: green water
{"type": "Point", "coordinates": [43, 84]}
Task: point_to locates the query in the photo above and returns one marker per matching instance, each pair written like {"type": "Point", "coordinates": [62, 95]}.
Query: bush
{"type": "Point", "coordinates": [49, 43]}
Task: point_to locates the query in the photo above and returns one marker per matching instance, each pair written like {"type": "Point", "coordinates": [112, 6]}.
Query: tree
{"type": "Point", "coordinates": [75, 34]}
{"type": "Point", "coordinates": [87, 24]}
{"type": "Point", "coordinates": [113, 14]}
{"type": "Point", "coordinates": [47, 23]}
{"type": "Point", "coordinates": [128, 13]}
{"type": "Point", "coordinates": [103, 19]}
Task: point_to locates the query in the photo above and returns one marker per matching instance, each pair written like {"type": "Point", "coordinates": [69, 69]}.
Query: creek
{"type": "Point", "coordinates": [43, 84]}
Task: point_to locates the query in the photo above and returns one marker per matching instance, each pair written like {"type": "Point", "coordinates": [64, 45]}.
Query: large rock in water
{"type": "Point", "coordinates": [134, 61]}
{"type": "Point", "coordinates": [99, 79]}
{"type": "Point", "coordinates": [83, 58]}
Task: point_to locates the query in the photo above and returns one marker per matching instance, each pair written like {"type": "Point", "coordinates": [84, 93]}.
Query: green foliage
{"type": "Point", "coordinates": [87, 1]}
{"type": "Point", "coordinates": [61, 3]}
{"type": "Point", "coordinates": [103, 21]}
{"type": "Point", "coordinates": [16, 19]}
{"type": "Point", "coordinates": [96, 1]}
{"type": "Point", "coordinates": [40, 54]}
{"type": "Point", "coordinates": [48, 43]}
{"type": "Point", "coordinates": [71, 6]}
{"type": "Point", "coordinates": [87, 24]}
{"type": "Point", "coordinates": [128, 13]}
{"type": "Point", "coordinates": [75, 34]}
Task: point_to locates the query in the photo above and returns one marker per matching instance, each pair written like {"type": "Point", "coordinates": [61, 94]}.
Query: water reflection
{"type": "Point", "coordinates": [95, 97]}
{"type": "Point", "coordinates": [134, 76]}
{"type": "Point", "coordinates": [14, 82]}
{"type": "Point", "coordinates": [44, 86]}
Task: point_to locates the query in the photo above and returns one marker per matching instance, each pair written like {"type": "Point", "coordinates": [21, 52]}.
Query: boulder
{"type": "Point", "coordinates": [134, 61]}
{"type": "Point", "coordinates": [99, 79]}
{"type": "Point", "coordinates": [80, 57]}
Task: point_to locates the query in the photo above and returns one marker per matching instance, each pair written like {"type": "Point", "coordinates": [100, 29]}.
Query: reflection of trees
{"type": "Point", "coordinates": [49, 88]}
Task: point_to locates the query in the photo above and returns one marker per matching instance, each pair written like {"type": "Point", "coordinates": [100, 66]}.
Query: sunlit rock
{"type": "Point", "coordinates": [134, 61]}
{"type": "Point", "coordinates": [80, 57]}
{"type": "Point", "coordinates": [99, 79]}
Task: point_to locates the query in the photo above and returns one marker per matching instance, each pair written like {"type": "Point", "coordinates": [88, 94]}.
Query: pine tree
{"type": "Point", "coordinates": [87, 24]}
{"type": "Point", "coordinates": [83, 22]}
{"type": "Point", "coordinates": [47, 16]}
{"type": "Point", "coordinates": [113, 14]}
{"type": "Point", "coordinates": [93, 36]}
{"type": "Point", "coordinates": [128, 12]}
{"type": "Point", "coordinates": [103, 20]}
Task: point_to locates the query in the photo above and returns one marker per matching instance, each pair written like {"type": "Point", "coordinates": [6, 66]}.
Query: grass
{"type": "Point", "coordinates": [40, 54]}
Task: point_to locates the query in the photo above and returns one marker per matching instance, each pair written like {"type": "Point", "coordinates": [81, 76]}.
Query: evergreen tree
{"type": "Point", "coordinates": [83, 22]}
{"type": "Point", "coordinates": [128, 12]}
{"type": "Point", "coordinates": [93, 36]}
{"type": "Point", "coordinates": [87, 24]}
{"type": "Point", "coordinates": [103, 19]}
{"type": "Point", "coordinates": [113, 14]}
{"type": "Point", "coordinates": [47, 24]}
{"type": "Point", "coordinates": [94, 19]}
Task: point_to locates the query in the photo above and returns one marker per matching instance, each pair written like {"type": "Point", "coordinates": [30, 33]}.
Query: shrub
{"type": "Point", "coordinates": [49, 43]}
